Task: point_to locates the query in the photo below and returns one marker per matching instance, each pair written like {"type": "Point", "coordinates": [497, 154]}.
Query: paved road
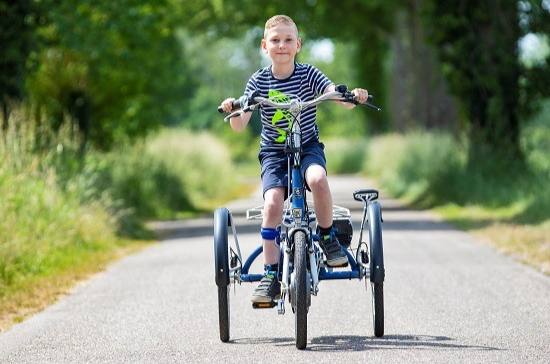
{"type": "Point", "coordinates": [448, 299]}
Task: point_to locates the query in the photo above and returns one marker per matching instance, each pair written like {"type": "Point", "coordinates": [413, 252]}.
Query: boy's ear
{"type": "Point", "coordinates": [264, 46]}
{"type": "Point", "coordinates": [299, 45]}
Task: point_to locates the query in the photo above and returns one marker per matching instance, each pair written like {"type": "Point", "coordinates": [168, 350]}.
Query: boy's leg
{"type": "Point", "coordinates": [269, 287]}
{"type": "Point", "coordinates": [273, 215]}
{"type": "Point", "coordinates": [316, 178]}
{"type": "Point", "coordinates": [317, 181]}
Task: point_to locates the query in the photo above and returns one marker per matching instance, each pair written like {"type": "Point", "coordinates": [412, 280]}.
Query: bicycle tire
{"type": "Point", "coordinates": [300, 282]}
{"type": "Point", "coordinates": [378, 308]}
{"type": "Point", "coordinates": [377, 270]}
{"type": "Point", "coordinates": [223, 312]}
{"type": "Point", "coordinates": [221, 257]}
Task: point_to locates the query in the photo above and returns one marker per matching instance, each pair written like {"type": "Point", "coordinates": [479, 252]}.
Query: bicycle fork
{"type": "Point", "coordinates": [287, 248]}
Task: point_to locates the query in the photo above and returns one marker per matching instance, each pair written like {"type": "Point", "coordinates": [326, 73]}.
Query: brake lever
{"type": "Point", "coordinates": [240, 112]}
{"type": "Point", "coordinates": [232, 115]}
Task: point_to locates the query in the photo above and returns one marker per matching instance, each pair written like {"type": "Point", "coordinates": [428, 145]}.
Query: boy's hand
{"type": "Point", "coordinates": [360, 94]}
{"type": "Point", "coordinates": [227, 104]}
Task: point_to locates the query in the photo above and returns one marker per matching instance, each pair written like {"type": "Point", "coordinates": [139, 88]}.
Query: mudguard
{"type": "Point", "coordinates": [374, 216]}
{"type": "Point", "coordinates": [221, 250]}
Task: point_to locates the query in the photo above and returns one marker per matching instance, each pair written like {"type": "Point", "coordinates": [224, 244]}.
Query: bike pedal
{"type": "Point", "coordinates": [343, 265]}
{"type": "Point", "coordinates": [257, 305]}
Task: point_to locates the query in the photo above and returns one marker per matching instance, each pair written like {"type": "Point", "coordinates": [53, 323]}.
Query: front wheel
{"type": "Point", "coordinates": [301, 289]}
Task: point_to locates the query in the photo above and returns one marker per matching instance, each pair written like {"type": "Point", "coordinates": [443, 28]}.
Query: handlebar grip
{"type": "Point", "coordinates": [236, 105]}
{"type": "Point", "coordinates": [370, 98]}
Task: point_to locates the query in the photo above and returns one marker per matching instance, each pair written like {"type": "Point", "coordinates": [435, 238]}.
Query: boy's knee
{"type": "Point", "coordinates": [317, 180]}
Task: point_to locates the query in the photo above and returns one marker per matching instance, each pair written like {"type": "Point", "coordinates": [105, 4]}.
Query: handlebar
{"type": "Point", "coordinates": [340, 94]}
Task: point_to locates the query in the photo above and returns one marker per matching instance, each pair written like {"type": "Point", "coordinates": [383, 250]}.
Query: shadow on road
{"type": "Point", "coordinates": [362, 343]}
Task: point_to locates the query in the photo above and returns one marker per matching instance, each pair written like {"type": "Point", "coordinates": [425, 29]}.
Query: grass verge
{"type": "Point", "coordinates": [502, 203]}
{"type": "Point", "coordinates": [63, 219]}
{"type": "Point", "coordinates": [34, 292]}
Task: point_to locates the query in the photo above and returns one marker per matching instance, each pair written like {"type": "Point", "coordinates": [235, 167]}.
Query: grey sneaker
{"type": "Point", "coordinates": [268, 290]}
{"type": "Point", "coordinates": [333, 251]}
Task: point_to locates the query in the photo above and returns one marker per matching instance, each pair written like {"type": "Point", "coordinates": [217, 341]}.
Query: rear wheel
{"type": "Point", "coordinates": [301, 289]}
{"type": "Point", "coordinates": [377, 270]}
{"type": "Point", "coordinates": [223, 310]}
{"type": "Point", "coordinates": [221, 257]}
{"type": "Point", "coordinates": [378, 308]}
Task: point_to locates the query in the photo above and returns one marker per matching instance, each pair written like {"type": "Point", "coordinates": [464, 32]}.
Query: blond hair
{"type": "Point", "coordinates": [279, 19]}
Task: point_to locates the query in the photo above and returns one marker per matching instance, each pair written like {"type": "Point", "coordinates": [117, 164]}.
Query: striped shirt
{"type": "Point", "coordinates": [306, 82]}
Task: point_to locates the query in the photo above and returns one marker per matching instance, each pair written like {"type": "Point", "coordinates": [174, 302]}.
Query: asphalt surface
{"type": "Point", "coordinates": [448, 299]}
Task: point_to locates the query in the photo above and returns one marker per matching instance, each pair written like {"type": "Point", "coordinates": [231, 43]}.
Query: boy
{"type": "Point", "coordinates": [281, 43]}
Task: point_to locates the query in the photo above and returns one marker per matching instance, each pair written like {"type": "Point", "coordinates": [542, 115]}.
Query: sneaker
{"type": "Point", "coordinates": [333, 251]}
{"type": "Point", "coordinates": [268, 290]}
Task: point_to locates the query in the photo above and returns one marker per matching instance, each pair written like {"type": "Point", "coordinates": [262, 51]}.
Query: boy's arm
{"type": "Point", "coordinates": [238, 123]}
{"type": "Point", "coordinates": [360, 94]}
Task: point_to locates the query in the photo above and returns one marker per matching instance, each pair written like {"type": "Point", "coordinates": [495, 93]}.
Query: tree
{"type": "Point", "coordinates": [418, 96]}
{"type": "Point", "coordinates": [114, 68]}
{"type": "Point", "coordinates": [17, 40]}
{"type": "Point", "coordinates": [477, 46]}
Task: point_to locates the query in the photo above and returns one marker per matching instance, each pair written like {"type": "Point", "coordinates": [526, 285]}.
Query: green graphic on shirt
{"type": "Point", "coordinates": [278, 96]}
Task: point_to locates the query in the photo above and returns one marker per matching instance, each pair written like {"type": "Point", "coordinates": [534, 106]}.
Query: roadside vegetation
{"type": "Point", "coordinates": [93, 139]}
{"type": "Point", "coordinates": [63, 218]}
{"type": "Point", "coordinates": [503, 203]}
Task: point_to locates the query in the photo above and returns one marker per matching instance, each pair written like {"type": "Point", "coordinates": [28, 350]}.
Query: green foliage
{"type": "Point", "coordinates": [431, 169]}
{"type": "Point", "coordinates": [114, 67]}
{"type": "Point", "coordinates": [56, 208]}
{"type": "Point", "coordinates": [536, 140]}
{"type": "Point", "coordinates": [200, 161]}
{"type": "Point", "coordinates": [40, 221]}
{"type": "Point", "coordinates": [477, 45]}
{"type": "Point", "coordinates": [17, 39]}
{"type": "Point", "coordinates": [345, 155]}
{"type": "Point", "coordinates": [412, 166]}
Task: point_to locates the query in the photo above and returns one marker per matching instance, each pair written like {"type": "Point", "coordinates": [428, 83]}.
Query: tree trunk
{"type": "Point", "coordinates": [419, 97]}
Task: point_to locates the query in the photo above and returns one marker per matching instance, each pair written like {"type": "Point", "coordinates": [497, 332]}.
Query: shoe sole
{"type": "Point", "coordinates": [338, 262]}
{"type": "Point", "coordinates": [264, 299]}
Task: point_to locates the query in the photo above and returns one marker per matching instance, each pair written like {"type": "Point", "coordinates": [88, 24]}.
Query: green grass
{"type": "Point", "coordinates": [63, 218]}
{"type": "Point", "coordinates": [503, 203]}
{"type": "Point", "coordinates": [345, 155]}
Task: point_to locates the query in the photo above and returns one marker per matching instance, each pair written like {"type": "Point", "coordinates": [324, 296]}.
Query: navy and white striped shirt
{"type": "Point", "coordinates": [306, 82]}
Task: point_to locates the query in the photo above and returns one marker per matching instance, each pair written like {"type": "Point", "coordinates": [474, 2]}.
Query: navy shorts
{"type": "Point", "coordinates": [274, 164]}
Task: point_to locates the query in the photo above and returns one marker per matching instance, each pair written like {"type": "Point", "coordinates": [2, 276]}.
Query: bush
{"type": "Point", "coordinates": [432, 168]}
{"type": "Point", "coordinates": [419, 167]}
{"type": "Point", "coordinates": [344, 155]}
{"type": "Point", "coordinates": [201, 162]}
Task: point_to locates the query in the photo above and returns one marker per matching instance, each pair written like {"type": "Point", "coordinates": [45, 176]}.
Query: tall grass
{"type": "Point", "coordinates": [501, 201]}
{"type": "Point", "coordinates": [431, 169]}
{"type": "Point", "coordinates": [345, 155]}
{"type": "Point", "coordinates": [202, 164]}
{"type": "Point", "coordinates": [61, 214]}
{"type": "Point", "coordinates": [44, 228]}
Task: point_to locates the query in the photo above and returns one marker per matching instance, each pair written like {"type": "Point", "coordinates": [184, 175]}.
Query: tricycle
{"type": "Point", "coordinates": [302, 264]}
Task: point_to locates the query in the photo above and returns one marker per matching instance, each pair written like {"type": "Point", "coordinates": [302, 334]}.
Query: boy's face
{"type": "Point", "coordinates": [281, 43]}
